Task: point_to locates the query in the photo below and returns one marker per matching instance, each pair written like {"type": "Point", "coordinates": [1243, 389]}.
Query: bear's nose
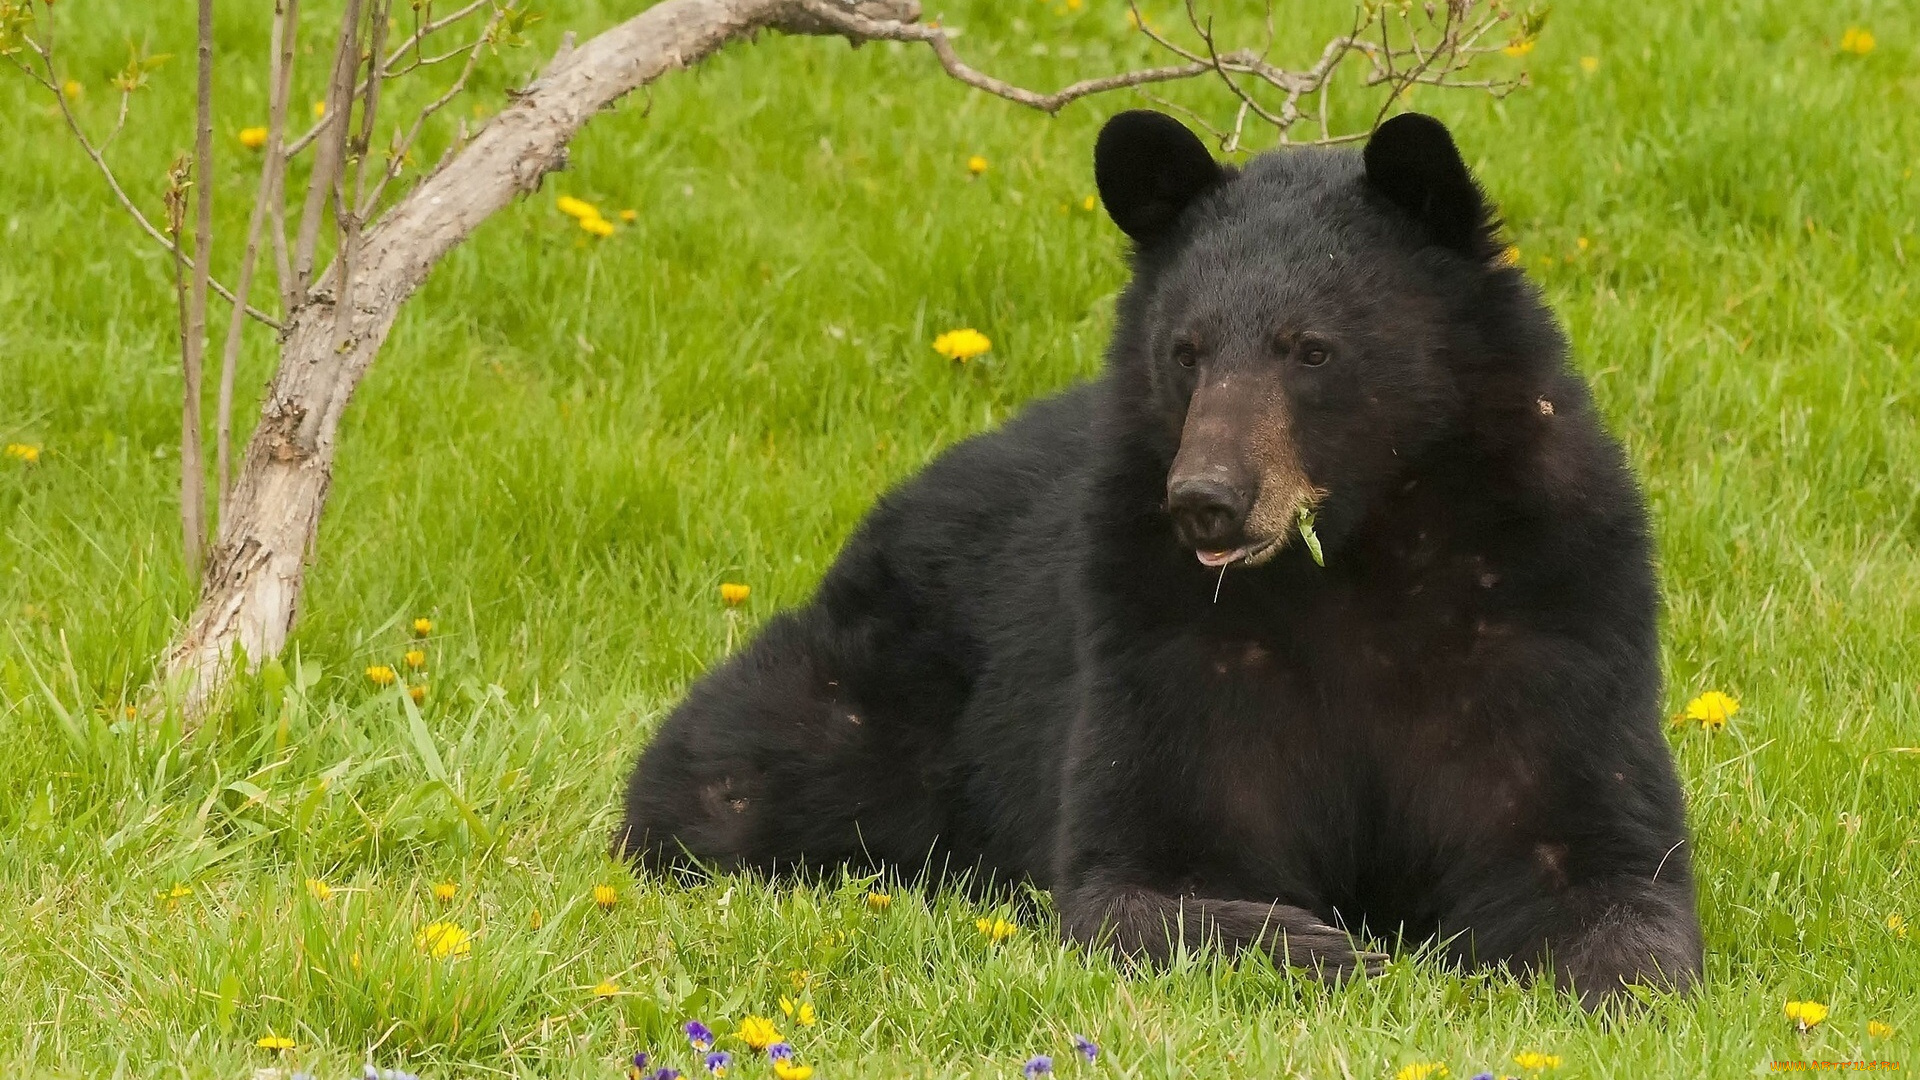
{"type": "Point", "coordinates": [1207, 510]}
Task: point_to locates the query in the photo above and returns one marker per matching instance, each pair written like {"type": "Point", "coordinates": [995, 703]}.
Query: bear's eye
{"type": "Point", "coordinates": [1313, 353]}
{"type": "Point", "coordinates": [1185, 353]}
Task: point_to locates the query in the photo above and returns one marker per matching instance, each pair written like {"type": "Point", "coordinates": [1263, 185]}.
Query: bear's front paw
{"type": "Point", "coordinates": [1292, 936]}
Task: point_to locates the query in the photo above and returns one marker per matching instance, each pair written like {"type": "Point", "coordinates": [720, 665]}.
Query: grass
{"type": "Point", "coordinates": [567, 447]}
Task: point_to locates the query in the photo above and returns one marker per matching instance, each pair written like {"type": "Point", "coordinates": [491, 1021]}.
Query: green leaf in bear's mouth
{"type": "Point", "coordinates": [1312, 540]}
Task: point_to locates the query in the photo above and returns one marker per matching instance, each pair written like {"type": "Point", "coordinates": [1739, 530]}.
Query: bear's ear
{"type": "Point", "coordinates": [1411, 160]}
{"type": "Point", "coordinates": [1149, 168]}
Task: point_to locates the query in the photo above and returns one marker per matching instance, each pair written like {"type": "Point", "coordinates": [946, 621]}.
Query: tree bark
{"type": "Point", "coordinates": [250, 594]}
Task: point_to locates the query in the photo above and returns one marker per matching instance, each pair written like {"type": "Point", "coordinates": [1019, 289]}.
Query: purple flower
{"type": "Point", "coordinates": [639, 1069]}
{"type": "Point", "coordinates": [718, 1061]}
{"type": "Point", "coordinates": [780, 1052]}
{"type": "Point", "coordinates": [1038, 1065]}
{"type": "Point", "coordinates": [699, 1034]}
{"type": "Point", "coordinates": [1483, 1076]}
{"type": "Point", "coordinates": [665, 1074]}
{"type": "Point", "coordinates": [1087, 1048]}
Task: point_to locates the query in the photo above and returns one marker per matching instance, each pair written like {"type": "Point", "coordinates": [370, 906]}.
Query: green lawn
{"type": "Point", "coordinates": [568, 445]}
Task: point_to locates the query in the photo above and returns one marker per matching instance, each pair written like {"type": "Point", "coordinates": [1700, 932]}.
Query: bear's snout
{"type": "Point", "coordinates": [1209, 510]}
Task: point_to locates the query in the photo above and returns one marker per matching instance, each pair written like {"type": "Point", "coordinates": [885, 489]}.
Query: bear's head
{"type": "Point", "coordinates": [1292, 332]}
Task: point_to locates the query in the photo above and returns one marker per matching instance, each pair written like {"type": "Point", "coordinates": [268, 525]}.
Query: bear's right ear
{"type": "Point", "coordinates": [1149, 168]}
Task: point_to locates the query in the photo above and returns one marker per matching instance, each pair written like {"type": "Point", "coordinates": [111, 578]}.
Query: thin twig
{"type": "Point", "coordinates": [1213, 56]}
{"type": "Point", "coordinates": [332, 155]}
{"type": "Point", "coordinates": [388, 71]}
{"type": "Point", "coordinates": [1386, 62]}
{"type": "Point", "coordinates": [264, 195]}
{"type": "Point", "coordinates": [193, 474]}
{"type": "Point", "coordinates": [274, 174]}
{"type": "Point", "coordinates": [45, 54]}
{"type": "Point", "coordinates": [192, 508]}
{"type": "Point", "coordinates": [346, 200]}
{"type": "Point", "coordinates": [397, 155]}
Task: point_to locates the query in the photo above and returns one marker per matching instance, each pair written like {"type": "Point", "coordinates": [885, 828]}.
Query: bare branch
{"type": "Point", "coordinates": [389, 71]}
{"type": "Point", "coordinates": [397, 154]}
{"type": "Point", "coordinates": [265, 196]}
{"type": "Point", "coordinates": [1387, 62]}
{"type": "Point", "coordinates": [45, 53]}
{"type": "Point", "coordinates": [286, 28]}
{"type": "Point", "coordinates": [193, 529]}
{"type": "Point", "coordinates": [333, 152]}
{"type": "Point", "coordinates": [1213, 58]}
{"type": "Point", "coordinates": [345, 201]}
{"type": "Point", "coordinates": [422, 32]}
{"type": "Point", "coordinates": [193, 476]}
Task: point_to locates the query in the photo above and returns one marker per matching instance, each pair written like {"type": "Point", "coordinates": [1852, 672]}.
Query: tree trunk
{"type": "Point", "coordinates": [251, 591]}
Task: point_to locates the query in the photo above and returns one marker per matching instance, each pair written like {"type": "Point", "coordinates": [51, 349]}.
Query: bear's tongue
{"type": "Point", "coordinates": [1222, 558]}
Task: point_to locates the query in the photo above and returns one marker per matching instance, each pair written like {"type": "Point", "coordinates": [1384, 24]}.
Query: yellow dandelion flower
{"type": "Point", "coordinates": [381, 675]}
{"type": "Point", "coordinates": [878, 901]}
{"type": "Point", "coordinates": [1897, 926]}
{"type": "Point", "coordinates": [1518, 47]}
{"type": "Point", "coordinates": [1805, 1014]}
{"type": "Point", "coordinates": [734, 594]}
{"type": "Point", "coordinates": [354, 963]}
{"type": "Point", "coordinates": [1856, 41]}
{"type": "Point", "coordinates": [995, 930]}
{"type": "Point", "coordinates": [1421, 1070]}
{"type": "Point", "coordinates": [800, 979]}
{"type": "Point", "coordinates": [1878, 1030]}
{"type": "Point", "coordinates": [536, 920]}
{"type": "Point", "coordinates": [25, 452]}
{"type": "Point", "coordinates": [607, 988]}
{"type": "Point", "coordinates": [800, 1012]}
{"type": "Point", "coordinates": [1712, 709]}
{"type": "Point", "coordinates": [976, 164]}
{"type": "Point", "coordinates": [1511, 256]}
{"type": "Point", "coordinates": [443, 939]}
{"type": "Point", "coordinates": [1589, 64]}
{"type": "Point", "coordinates": [1535, 1061]}
{"type": "Point", "coordinates": [320, 889]}
{"type": "Point", "coordinates": [629, 216]}
{"type": "Point", "coordinates": [422, 627]}
{"type": "Point", "coordinates": [579, 209]}
{"type": "Point", "coordinates": [962, 345]}
{"type": "Point", "coordinates": [1073, 5]}
{"type": "Point", "coordinates": [1582, 243]}
{"type": "Point", "coordinates": [787, 1070]}
{"type": "Point", "coordinates": [597, 226]}
{"type": "Point", "coordinates": [179, 892]}
{"type": "Point", "coordinates": [1089, 202]}
{"type": "Point", "coordinates": [73, 90]}
{"type": "Point", "coordinates": [418, 692]}
{"type": "Point", "coordinates": [604, 897]}
{"type": "Point", "coordinates": [757, 1032]}
{"type": "Point", "coordinates": [445, 890]}
{"type": "Point", "coordinates": [319, 109]}
{"type": "Point", "coordinates": [416, 658]}
{"type": "Point", "coordinates": [274, 1042]}
{"type": "Point", "coordinates": [253, 138]}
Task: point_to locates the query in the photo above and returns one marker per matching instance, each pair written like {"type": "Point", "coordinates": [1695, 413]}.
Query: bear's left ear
{"type": "Point", "coordinates": [1149, 167]}
{"type": "Point", "coordinates": [1411, 160]}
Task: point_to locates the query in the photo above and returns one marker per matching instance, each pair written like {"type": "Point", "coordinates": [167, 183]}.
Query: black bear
{"type": "Point", "coordinates": [1328, 608]}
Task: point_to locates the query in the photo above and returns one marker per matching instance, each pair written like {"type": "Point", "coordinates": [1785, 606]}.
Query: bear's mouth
{"type": "Point", "coordinates": [1239, 554]}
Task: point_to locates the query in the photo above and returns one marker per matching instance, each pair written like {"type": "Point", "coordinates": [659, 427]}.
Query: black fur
{"type": "Point", "coordinates": [1451, 730]}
